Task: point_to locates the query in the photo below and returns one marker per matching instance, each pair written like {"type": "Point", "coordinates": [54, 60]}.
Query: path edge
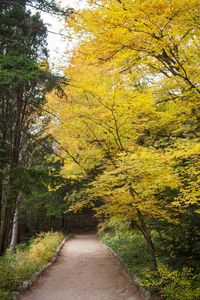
{"type": "Point", "coordinates": [27, 284]}
{"type": "Point", "coordinates": [131, 277]}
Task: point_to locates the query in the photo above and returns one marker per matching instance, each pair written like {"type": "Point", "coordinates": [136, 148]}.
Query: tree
{"type": "Point", "coordinates": [132, 115]}
{"type": "Point", "coordinates": [22, 84]}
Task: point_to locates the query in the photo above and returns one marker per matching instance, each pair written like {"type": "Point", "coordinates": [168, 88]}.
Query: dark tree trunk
{"type": "Point", "coordinates": [147, 236]}
{"type": "Point", "coordinates": [142, 226]}
{"type": "Point", "coordinates": [12, 194]}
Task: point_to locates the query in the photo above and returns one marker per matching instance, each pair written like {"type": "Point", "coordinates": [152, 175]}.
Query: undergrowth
{"type": "Point", "coordinates": [133, 251]}
{"type": "Point", "coordinates": [29, 258]}
{"type": "Point", "coordinates": [171, 283]}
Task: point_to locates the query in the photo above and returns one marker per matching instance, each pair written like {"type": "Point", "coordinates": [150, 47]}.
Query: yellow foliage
{"type": "Point", "coordinates": [178, 285]}
{"type": "Point", "coordinates": [132, 107]}
{"type": "Point", "coordinates": [44, 65]}
{"type": "Point", "coordinates": [18, 267]}
{"type": "Point", "coordinates": [44, 247]}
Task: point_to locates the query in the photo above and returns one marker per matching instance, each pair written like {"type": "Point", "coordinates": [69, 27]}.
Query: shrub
{"type": "Point", "coordinates": [43, 246]}
{"type": "Point", "coordinates": [16, 268]}
{"type": "Point", "coordinates": [132, 250]}
{"type": "Point", "coordinates": [176, 285]}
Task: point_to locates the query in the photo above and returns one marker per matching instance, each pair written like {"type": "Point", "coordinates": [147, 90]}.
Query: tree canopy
{"type": "Point", "coordinates": [131, 119]}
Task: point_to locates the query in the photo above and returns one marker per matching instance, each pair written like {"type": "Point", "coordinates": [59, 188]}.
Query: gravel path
{"type": "Point", "coordinates": [85, 270]}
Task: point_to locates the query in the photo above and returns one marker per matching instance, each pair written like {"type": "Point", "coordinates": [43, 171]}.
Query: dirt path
{"type": "Point", "coordinates": [86, 270]}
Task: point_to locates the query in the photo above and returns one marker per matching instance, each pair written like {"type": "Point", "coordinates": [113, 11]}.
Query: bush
{"type": "Point", "coordinates": [133, 251]}
{"type": "Point", "coordinates": [175, 285]}
{"type": "Point", "coordinates": [14, 269]}
{"type": "Point", "coordinates": [44, 247]}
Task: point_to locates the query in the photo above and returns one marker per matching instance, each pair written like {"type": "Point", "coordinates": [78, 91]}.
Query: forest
{"type": "Point", "coordinates": [115, 142]}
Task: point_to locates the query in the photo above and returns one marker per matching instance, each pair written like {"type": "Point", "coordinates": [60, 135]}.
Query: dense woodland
{"type": "Point", "coordinates": [28, 168]}
{"type": "Point", "coordinates": [118, 135]}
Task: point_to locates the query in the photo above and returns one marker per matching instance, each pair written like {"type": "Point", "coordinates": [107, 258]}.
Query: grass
{"type": "Point", "coordinates": [29, 258]}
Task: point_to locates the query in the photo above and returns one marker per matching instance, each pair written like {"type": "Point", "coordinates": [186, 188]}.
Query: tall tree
{"type": "Point", "coordinates": [132, 115]}
{"type": "Point", "coordinates": [23, 85]}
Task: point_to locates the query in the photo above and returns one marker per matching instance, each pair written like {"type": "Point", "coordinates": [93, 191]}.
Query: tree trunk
{"type": "Point", "coordinates": [62, 227]}
{"type": "Point", "coordinates": [15, 225]}
{"type": "Point", "coordinates": [117, 231]}
{"type": "Point", "coordinates": [15, 230]}
{"type": "Point", "coordinates": [147, 235]}
{"type": "Point", "coordinates": [144, 229]}
{"type": "Point", "coordinates": [3, 129]}
{"type": "Point", "coordinates": [5, 229]}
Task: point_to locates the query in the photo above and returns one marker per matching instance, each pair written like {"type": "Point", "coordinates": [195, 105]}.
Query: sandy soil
{"type": "Point", "coordinates": [85, 270]}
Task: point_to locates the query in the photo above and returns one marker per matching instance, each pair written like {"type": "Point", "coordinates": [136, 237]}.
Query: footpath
{"type": "Point", "coordinates": [85, 270]}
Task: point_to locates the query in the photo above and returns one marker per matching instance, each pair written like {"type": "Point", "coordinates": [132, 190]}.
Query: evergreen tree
{"type": "Point", "coordinates": [22, 92]}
